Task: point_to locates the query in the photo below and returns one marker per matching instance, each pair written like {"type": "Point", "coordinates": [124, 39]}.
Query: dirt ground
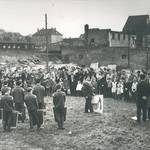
{"type": "Point", "coordinates": [113, 130]}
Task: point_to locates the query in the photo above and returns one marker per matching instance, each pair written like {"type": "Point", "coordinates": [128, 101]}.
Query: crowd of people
{"type": "Point", "coordinates": [28, 87]}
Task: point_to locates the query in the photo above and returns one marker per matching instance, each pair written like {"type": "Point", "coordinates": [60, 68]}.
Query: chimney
{"type": "Point", "coordinates": [86, 32]}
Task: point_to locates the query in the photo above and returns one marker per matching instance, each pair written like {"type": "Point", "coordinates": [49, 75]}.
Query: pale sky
{"type": "Point", "coordinates": [68, 16]}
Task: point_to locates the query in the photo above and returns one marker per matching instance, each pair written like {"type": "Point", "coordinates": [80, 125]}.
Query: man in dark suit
{"type": "Point", "coordinates": [32, 106]}
{"type": "Point", "coordinates": [7, 106]}
{"type": "Point", "coordinates": [59, 99]}
{"type": "Point", "coordinates": [142, 99]}
{"type": "Point", "coordinates": [39, 91]}
{"type": "Point", "coordinates": [18, 96]}
{"type": "Point", "coordinates": [87, 92]}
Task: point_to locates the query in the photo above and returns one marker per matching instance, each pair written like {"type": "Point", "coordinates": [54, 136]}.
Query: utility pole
{"type": "Point", "coordinates": [46, 36]}
{"type": "Point", "coordinates": [129, 51]}
{"type": "Point", "coordinates": [147, 55]}
{"type": "Point", "coordinates": [147, 52]}
{"type": "Point", "coordinates": [86, 33]}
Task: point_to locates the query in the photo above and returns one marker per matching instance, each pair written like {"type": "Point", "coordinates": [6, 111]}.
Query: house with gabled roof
{"type": "Point", "coordinates": [54, 37]}
{"type": "Point", "coordinates": [140, 26]}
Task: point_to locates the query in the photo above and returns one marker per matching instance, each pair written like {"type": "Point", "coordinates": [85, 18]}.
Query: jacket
{"type": "Point", "coordinates": [87, 90]}
{"type": "Point", "coordinates": [7, 103]}
{"type": "Point", "coordinates": [39, 91]}
{"type": "Point", "coordinates": [18, 94]}
{"type": "Point", "coordinates": [59, 99]}
{"type": "Point", "coordinates": [31, 102]}
{"type": "Point", "coordinates": [142, 91]}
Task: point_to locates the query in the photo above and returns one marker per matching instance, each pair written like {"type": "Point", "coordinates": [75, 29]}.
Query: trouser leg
{"type": "Point", "coordinates": [149, 113]}
{"type": "Point", "coordinates": [60, 119]}
{"type": "Point", "coordinates": [5, 120]}
{"type": "Point", "coordinates": [31, 120]}
{"type": "Point", "coordinates": [144, 109]}
{"type": "Point", "coordinates": [34, 119]}
{"type": "Point", "coordinates": [9, 120]}
{"type": "Point", "coordinates": [35, 115]}
{"type": "Point", "coordinates": [20, 107]}
{"type": "Point", "coordinates": [86, 106]}
{"type": "Point", "coordinates": [138, 112]}
{"type": "Point", "coordinates": [90, 106]}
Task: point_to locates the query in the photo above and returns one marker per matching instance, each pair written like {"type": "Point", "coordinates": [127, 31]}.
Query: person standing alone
{"type": "Point", "coordinates": [59, 99]}
{"type": "Point", "coordinates": [32, 106]}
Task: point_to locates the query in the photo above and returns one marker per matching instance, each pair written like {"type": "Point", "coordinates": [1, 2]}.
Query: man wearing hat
{"type": "Point", "coordinates": [142, 98]}
{"type": "Point", "coordinates": [32, 106]}
{"type": "Point", "coordinates": [59, 99]}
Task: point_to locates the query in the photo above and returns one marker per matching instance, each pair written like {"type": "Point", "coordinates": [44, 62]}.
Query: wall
{"type": "Point", "coordinates": [107, 56]}
{"type": "Point", "coordinates": [100, 37]}
{"type": "Point", "coordinates": [40, 40]}
{"type": "Point", "coordinates": [56, 38]}
{"type": "Point", "coordinates": [123, 41]}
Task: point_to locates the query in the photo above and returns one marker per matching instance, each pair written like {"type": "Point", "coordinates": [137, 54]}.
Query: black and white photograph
{"type": "Point", "coordinates": [74, 74]}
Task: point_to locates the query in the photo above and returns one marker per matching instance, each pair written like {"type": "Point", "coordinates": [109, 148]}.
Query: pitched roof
{"type": "Point", "coordinates": [98, 30]}
{"type": "Point", "coordinates": [136, 24]}
{"type": "Point", "coordinates": [51, 31]}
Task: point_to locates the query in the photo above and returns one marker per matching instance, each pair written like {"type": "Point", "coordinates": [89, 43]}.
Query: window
{"type": "Point", "coordinates": [113, 36]}
{"type": "Point", "coordinates": [92, 40]}
{"type": "Point", "coordinates": [128, 37]}
{"type": "Point", "coordinates": [26, 46]}
{"type": "Point", "coordinates": [118, 36]}
{"type": "Point", "coordinates": [124, 56]}
{"type": "Point", "coordinates": [124, 36]}
{"type": "Point", "coordinates": [80, 56]}
{"type": "Point", "coordinates": [67, 59]}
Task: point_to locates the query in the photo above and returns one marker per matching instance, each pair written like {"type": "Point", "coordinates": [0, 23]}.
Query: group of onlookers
{"type": "Point", "coordinates": [22, 88]}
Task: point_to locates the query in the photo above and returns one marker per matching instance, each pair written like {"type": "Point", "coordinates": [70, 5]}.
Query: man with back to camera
{"type": "Point", "coordinates": [7, 106]}
{"type": "Point", "coordinates": [59, 99]}
{"type": "Point", "coordinates": [32, 106]}
{"type": "Point", "coordinates": [142, 99]}
{"type": "Point", "coordinates": [18, 96]}
{"type": "Point", "coordinates": [39, 91]}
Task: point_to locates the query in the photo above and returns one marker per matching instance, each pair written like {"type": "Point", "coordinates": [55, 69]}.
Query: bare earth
{"type": "Point", "coordinates": [113, 130]}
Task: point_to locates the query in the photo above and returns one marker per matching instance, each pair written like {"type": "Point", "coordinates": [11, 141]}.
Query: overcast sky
{"type": "Point", "coordinates": [68, 16]}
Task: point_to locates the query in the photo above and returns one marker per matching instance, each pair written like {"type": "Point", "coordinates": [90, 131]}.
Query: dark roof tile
{"type": "Point", "coordinates": [136, 24]}
{"type": "Point", "coordinates": [51, 31]}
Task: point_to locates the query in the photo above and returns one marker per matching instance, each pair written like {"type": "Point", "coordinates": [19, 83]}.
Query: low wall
{"type": "Point", "coordinates": [105, 56]}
